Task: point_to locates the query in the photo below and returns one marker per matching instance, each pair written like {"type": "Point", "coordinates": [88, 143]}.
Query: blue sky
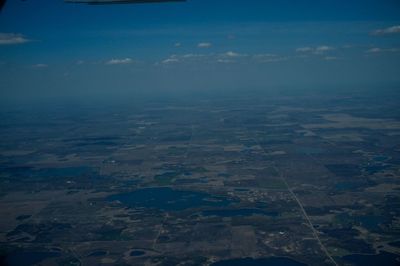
{"type": "Point", "coordinates": [50, 49]}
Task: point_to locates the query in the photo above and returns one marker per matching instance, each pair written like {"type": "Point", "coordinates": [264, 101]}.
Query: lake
{"type": "Point", "coordinates": [273, 261]}
{"type": "Point", "coordinates": [383, 258]}
{"type": "Point", "coordinates": [238, 212]}
{"type": "Point", "coordinates": [27, 258]}
{"type": "Point", "coordinates": [165, 198]}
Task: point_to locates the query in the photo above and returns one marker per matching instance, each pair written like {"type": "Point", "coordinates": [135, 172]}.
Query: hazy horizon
{"type": "Point", "coordinates": [56, 51]}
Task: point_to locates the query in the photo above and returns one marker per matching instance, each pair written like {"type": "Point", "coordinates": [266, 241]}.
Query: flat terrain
{"type": "Point", "coordinates": [294, 180]}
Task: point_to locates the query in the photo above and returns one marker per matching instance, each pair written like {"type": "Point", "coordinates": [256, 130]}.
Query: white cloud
{"type": "Point", "coordinates": [233, 54]}
{"type": "Point", "coordinates": [226, 61]}
{"type": "Point", "coordinates": [123, 61]}
{"type": "Point", "coordinates": [40, 66]}
{"type": "Point", "coordinates": [387, 31]}
{"type": "Point", "coordinates": [178, 44]}
{"type": "Point", "coordinates": [265, 55]}
{"type": "Point", "coordinates": [304, 49]}
{"type": "Point", "coordinates": [174, 58]}
{"type": "Point", "coordinates": [229, 57]}
{"type": "Point", "coordinates": [315, 50]}
{"type": "Point", "coordinates": [80, 62]}
{"type": "Point", "coordinates": [322, 49]}
{"type": "Point", "coordinates": [170, 61]}
{"type": "Point", "coordinates": [204, 45]}
{"type": "Point", "coordinates": [193, 55]}
{"type": "Point", "coordinates": [269, 58]}
{"type": "Point", "coordinates": [12, 38]}
{"type": "Point", "coordinates": [376, 50]}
